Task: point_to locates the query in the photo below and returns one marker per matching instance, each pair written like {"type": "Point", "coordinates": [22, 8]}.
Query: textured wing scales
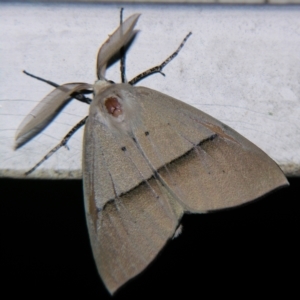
{"type": "Point", "coordinates": [175, 159]}
{"type": "Point", "coordinates": [221, 169]}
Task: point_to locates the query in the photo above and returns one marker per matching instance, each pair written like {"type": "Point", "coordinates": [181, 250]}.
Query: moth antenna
{"type": "Point", "coordinates": [63, 143]}
{"type": "Point", "coordinates": [122, 53]}
{"type": "Point", "coordinates": [78, 96]}
{"type": "Point", "coordinates": [41, 79]}
{"type": "Point", "coordinates": [121, 15]}
{"type": "Point", "coordinates": [159, 68]}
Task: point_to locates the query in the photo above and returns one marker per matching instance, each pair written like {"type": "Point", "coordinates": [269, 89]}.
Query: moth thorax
{"type": "Point", "coordinates": [113, 106]}
{"type": "Point", "coordinates": [100, 86]}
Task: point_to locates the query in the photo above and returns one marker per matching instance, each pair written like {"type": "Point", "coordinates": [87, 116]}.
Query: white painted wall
{"type": "Point", "coordinates": [241, 65]}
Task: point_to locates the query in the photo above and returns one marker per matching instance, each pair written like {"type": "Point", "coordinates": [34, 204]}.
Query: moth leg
{"type": "Point", "coordinates": [159, 68]}
{"type": "Point", "coordinates": [122, 53]}
{"type": "Point", "coordinates": [77, 96]}
{"type": "Point", "coordinates": [61, 144]}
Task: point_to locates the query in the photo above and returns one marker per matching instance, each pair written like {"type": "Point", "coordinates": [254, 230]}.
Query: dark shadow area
{"type": "Point", "coordinates": [247, 251]}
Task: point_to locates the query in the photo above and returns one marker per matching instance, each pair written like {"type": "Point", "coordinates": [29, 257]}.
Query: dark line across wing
{"type": "Point", "coordinates": [156, 173]}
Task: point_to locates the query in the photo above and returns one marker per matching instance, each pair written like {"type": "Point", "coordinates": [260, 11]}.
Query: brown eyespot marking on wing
{"type": "Point", "coordinates": [113, 106]}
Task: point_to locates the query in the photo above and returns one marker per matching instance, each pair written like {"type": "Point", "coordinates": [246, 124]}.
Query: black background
{"type": "Point", "coordinates": [246, 251]}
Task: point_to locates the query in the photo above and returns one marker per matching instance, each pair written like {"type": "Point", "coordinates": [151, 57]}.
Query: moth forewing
{"type": "Point", "coordinates": [130, 214]}
{"type": "Point", "coordinates": [220, 168]}
{"type": "Point", "coordinates": [177, 160]}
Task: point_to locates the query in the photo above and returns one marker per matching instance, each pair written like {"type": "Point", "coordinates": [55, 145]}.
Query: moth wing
{"type": "Point", "coordinates": [127, 226]}
{"type": "Point", "coordinates": [45, 111]}
{"type": "Point", "coordinates": [121, 36]}
{"type": "Point", "coordinates": [221, 168]}
{"type": "Point", "coordinates": [171, 158]}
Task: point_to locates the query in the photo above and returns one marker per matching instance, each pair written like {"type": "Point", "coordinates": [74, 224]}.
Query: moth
{"type": "Point", "coordinates": [148, 159]}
